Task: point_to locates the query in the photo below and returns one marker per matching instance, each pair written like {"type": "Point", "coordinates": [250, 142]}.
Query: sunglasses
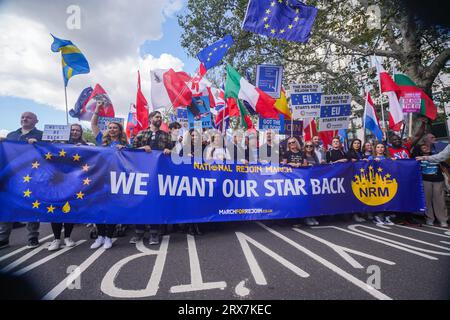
{"type": "Point", "coordinates": [308, 146]}
{"type": "Point", "coordinates": [292, 142]}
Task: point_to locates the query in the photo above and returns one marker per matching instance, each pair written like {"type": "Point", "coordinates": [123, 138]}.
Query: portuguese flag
{"type": "Point", "coordinates": [406, 85]}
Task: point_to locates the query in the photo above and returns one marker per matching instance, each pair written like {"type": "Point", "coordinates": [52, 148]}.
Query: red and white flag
{"type": "Point", "coordinates": [141, 110]}
{"type": "Point", "coordinates": [390, 88]}
{"type": "Point", "coordinates": [169, 89]}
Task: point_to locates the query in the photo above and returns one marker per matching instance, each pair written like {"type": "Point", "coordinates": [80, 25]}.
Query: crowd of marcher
{"type": "Point", "coordinates": [242, 148]}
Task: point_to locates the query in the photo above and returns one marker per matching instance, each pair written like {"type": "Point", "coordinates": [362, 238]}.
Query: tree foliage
{"type": "Point", "coordinates": [345, 36]}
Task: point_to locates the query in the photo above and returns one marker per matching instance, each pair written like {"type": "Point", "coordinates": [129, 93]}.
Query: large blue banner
{"type": "Point", "coordinates": [67, 183]}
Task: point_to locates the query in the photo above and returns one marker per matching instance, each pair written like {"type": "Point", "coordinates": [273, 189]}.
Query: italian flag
{"type": "Point", "coordinates": [239, 88]}
{"type": "Point", "coordinates": [406, 85]}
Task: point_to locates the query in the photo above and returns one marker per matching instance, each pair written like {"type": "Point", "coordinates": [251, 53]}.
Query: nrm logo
{"type": "Point", "coordinates": [374, 187]}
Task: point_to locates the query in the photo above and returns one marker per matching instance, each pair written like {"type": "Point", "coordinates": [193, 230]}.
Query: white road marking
{"type": "Point", "coordinates": [64, 284]}
{"type": "Point", "coordinates": [241, 290]}
{"type": "Point", "coordinates": [109, 287]}
{"type": "Point", "coordinates": [6, 256]}
{"type": "Point", "coordinates": [25, 257]}
{"type": "Point", "coordinates": [197, 283]}
{"type": "Point", "coordinates": [362, 285]}
{"type": "Point", "coordinates": [353, 227]}
{"type": "Point", "coordinates": [379, 239]}
{"type": "Point", "coordinates": [46, 259]}
{"type": "Point", "coordinates": [423, 231]}
{"type": "Point", "coordinates": [343, 251]}
{"type": "Point", "coordinates": [438, 228]}
{"type": "Point", "coordinates": [257, 273]}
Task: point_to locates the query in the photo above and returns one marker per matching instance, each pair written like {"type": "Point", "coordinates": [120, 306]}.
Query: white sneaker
{"type": "Point", "coordinates": [98, 242]}
{"type": "Point", "coordinates": [357, 218]}
{"type": "Point", "coordinates": [55, 245]}
{"type": "Point", "coordinates": [313, 220]}
{"type": "Point", "coordinates": [429, 222]}
{"type": "Point", "coordinates": [309, 222]}
{"type": "Point", "coordinates": [444, 224]}
{"type": "Point", "coordinates": [378, 220]}
{"type": "Point", "coordinates": [387, 220]}
{"type": "Point", "coordinates": [69, 242]}
{"type": "Point", "coordinates": [107, 243]}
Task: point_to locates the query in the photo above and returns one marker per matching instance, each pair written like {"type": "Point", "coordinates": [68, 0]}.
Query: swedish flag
{"type": "Point", "coordinates": [73, 61]}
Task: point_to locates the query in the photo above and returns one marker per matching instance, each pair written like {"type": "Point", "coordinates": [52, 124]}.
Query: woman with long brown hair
{"type": "Point", "coordinates": [113, 137]}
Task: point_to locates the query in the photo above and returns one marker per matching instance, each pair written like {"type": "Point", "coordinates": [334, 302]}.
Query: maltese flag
{"type": "Point", "coordinates": [389, 87]}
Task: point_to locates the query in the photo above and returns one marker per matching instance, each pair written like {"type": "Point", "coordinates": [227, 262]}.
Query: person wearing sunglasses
{"type": "Point", "coordinates": [294, 156]}
{"type": "Point", "coordinates": [310, 154]}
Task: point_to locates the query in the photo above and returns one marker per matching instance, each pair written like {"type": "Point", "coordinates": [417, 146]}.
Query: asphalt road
{"type": "Point", "coordinates": [243, 261]}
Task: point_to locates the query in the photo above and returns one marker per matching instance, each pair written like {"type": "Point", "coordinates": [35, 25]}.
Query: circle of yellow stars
{"type": "Point", "coordinates": [223, 45]}
{"type": "Point", "coordinates": [274, 31]}
{"type": "Point", "coordinates": [49, 156]}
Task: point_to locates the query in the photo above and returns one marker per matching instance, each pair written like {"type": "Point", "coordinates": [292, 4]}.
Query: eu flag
{"type": "Point", "coordinates": [212, 55]}
{"type": "Point", "coordinates": [73, 61]}
{"type": "Point", "coordinates": [283, 19]}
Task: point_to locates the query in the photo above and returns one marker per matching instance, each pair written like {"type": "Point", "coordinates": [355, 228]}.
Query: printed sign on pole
{"type": "Point", "coordinates": [335, 112]}
{"type": "Point", "coordinates": [296, 127]}
{"type": "Point", "coordinates": [104, 121]}
{"type": "Point", "coordinates": [269, 78]}
{"type": "Point", "coordinates": [182, 118]}
{"type": "Point", "coordinates": [199, 115]}
{"type": "Point", "coordinates": [305, 100]}
{"type": "Point", "coordinates": [55, 132]}
{"type": "Point", "coordinates": [411, 102]}
{"type": "Point", "coordinates": [272, 124]}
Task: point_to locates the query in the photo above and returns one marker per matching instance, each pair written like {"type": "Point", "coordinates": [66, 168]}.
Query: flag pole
{"type": "Point", "coordinates": [381, 99]}
{"type": "Point", "coordinates": [364, 119]}
{"type": "Point", "coordinates": [67, 112]}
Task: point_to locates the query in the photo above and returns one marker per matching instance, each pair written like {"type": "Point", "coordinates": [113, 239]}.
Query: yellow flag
{"type": "Point", "coordinates": [282, 105]}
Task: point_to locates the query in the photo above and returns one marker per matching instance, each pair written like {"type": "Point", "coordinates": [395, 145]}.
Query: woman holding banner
{"type": "Point", "coordinates": [294, 156]}
{"type": "Point", "coordinates": [76, 137]}
{"type": "Point", "coordinates": [114, 137]}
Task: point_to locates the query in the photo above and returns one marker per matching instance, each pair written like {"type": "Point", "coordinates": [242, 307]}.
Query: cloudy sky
{"type": "Point", "coordinates": [117, 37]}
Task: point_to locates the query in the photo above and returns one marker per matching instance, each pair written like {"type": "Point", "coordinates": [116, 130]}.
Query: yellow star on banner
{"type": "Point", "coordinates": [296, 19]}
{"type": "Point", "coordinates": [215, 49]}
{"type": "Point", "coordinates": [36, 204]}
{"type": "Point", "coordinates": [272, 4]}
{"type": "Point", "coordinates": [268, 11]}
{"type": "Point", "coordinates": [273, 31]}
{"type": "Point", "coordinates": [35, 165]}
{"type": "Point", "coordinates": [282, 31]}
{"type": "Point", "coordinates": [221, 45]}
{"type": "Point", "coordinates": [266, 26]}
{"type": "Point", "coordinates": [290, 26]}
{"type": "Point", "coordinates": [370, 167]}
{"type": "Point", "coordinates": [280, 1]}
{"type": "Point", "coordinates": [48, 156]}
{"type": "Point", "coordinates": [361, 170]}
{"type": "Point", "coordinates": [85, 167]}
{"type": "Point", "coordinates": [86, 181]}
{"type": "Point", "coordinates": [62, 153]}
{"type": "Point", "coordinates": [388, 176]}
{"type": "Point", "coordinates": [27, 178]}
{"type": "Point", "coordinates": [76, 157]}
{"type": "Point", "coordinates": [266, 18]}
{"type": "Point", "coordinates": [380, 169]}
{"type": "Point", "coordinates": [208, 59]}
{"type": "Point", "coordinates": [51, 209]}
{"type": "Point", "coordinates": [80, 195]}
{"type": "Point", "coordinates": [297, 10]}
{"type": "Point", "coordinates": [27, 193]}
{"type": "Point", "coordinates": [210, 54]}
